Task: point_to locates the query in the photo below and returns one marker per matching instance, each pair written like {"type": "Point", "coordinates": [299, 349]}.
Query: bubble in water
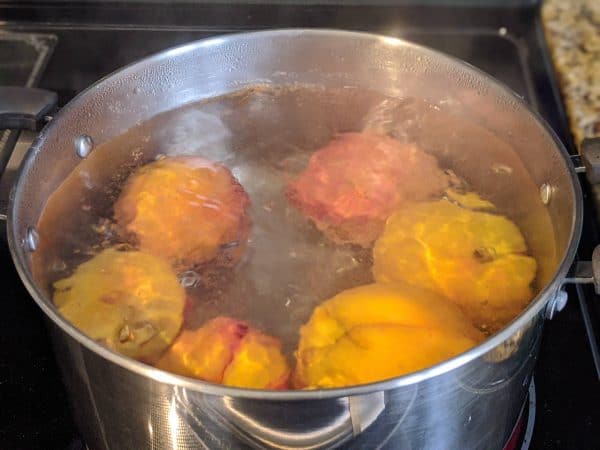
{"type": "Point", "coordinates": [189, 279]}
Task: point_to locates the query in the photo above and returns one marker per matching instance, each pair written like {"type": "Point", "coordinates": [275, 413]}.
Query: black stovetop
{"type": "Point", "coordinates": [94, 39]}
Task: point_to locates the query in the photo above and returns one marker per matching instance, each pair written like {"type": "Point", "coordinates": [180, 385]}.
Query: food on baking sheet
{"type": "Point", "coordinates": [187, 210]}
{"type": "Point", "coordinates": [379, 331]}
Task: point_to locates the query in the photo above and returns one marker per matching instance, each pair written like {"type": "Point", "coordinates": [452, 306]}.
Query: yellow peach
{"type": "Point", "coordinates": [185, 210]}
{"type": "Point", "coordinates": [128, 300]}
{"type": "Point", "coordinates": [379, 331]}
{"type": "Point", "coordinates": [230, 352]}
{"type": "Point", "coordinates": [476, 259]}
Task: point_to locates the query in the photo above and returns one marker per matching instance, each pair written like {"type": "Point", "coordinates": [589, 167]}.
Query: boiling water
{"type": "Point", "coordinates": [265, 136]}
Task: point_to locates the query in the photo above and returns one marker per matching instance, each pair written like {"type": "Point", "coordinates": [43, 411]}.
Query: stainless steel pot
{"type": "Point", "coordinates": [471, 401]}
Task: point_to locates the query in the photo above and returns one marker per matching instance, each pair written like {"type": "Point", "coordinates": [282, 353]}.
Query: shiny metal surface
{"type": "Point", "coordinates": [119, 409]}
{"type": "Point", "coordinates": [472, 407]}
{"type": "Point", "coordinates": [590, 155]}
{"type": "Point", "coordinates": [557, 304]}
{"type": "Point", "coordinates": [470, 401]}
{"type": "Point", "coordinates": [83, 145]}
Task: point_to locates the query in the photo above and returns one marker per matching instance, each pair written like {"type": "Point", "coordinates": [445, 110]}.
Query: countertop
{"type": "Point", "coordinates": [572, 30]}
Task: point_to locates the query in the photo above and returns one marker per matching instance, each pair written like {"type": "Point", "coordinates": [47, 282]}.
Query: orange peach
{"type": "Point", "coordinates": [477, 259]}
{"type": "Point", "coordinates": [379, 331]}
{"type": "Point", "coordinates": [230, 352]}
{"type": "Point", "coordinates": [186, 210]}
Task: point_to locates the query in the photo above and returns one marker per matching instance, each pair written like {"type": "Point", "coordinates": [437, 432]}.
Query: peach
{"type": "Point", "coordinates": [230, 352]}
{"type": "Point", "coordinates": [186, 210]}
{"type": "Point", "coordinates": [357, 180]}
{"type": "Point", "coordinates": [128, 300]}
{"type": "Point", "coordinates": [477, 259]}
{"type": "Point", "coordinates": [379, 331]}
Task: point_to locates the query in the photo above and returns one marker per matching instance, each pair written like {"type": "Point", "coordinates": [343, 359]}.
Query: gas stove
{"type": "Point", "coordinates": [65, 47]}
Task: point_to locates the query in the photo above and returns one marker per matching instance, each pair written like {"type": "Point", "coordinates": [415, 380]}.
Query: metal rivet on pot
{"type": "Point", "coordinates": [556, 304]}
{"type": "Point", "coordinates": [560, 301]}
{"type": "Point", "coordinates": [545, 193]}
{"type": "Point", "coordinates": [83, 145]}
{"type": "Point", "coordinates": [31, 239]}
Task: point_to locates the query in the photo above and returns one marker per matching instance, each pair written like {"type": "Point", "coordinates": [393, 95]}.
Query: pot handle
{"type": "Point", "coordinates": [582, 272]}
{"type": "Point", "coordinates": [588, 272]}
{"type": "Point", "coordinates": [24, 108]}
{"type": "Point", "coordinates": [21, 108]}
{"type": "Point", "coordinates": [590, 158]}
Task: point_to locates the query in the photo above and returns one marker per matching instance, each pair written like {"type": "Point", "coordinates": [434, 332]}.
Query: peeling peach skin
{"type": "Point", "coordinates": [476, 259]}
{"type": "Point", "coordinates": [229, 352]}
{"type": "Point", "coordinates": [357, 180]}
{"type": "Point", "coordinates": [379, 331]}
{"type": "Point", "coordinates": [186, 210]}
{"type": "Point", "coordinates": [128, 300]}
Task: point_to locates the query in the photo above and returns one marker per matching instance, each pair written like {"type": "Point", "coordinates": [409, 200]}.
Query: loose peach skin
{"type": "Point", "coordinates": [379, 331]}
{"type": "Point", "coordinates": [357, 180]}
{"type": "Point", "coordinates": [476, 259]}
{"type": "Point", "coordinates": [187, 210]}
{"type": "Point", "coordinates": [230, 352]}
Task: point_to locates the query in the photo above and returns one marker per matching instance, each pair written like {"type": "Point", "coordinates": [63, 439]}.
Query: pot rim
{"type": "Point", "coordinates": [536, 305]}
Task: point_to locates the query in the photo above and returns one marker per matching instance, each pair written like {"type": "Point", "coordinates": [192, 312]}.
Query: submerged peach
{"type": "Point", "coordinates": [476, 259]}
{"type": "Point", "coordinates": [128, 300]}
{"type": "Point", "coordinates": [186, 210]}
{"type": "Point", "coordinates": [357, 180]}
{"type": "Point", "coordinates": [379, 331]}
{"type": "Point", "coordinates": [230, 352]}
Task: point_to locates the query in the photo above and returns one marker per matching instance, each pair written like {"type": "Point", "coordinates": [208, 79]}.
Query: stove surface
{"type": "Point", "coordinates": [505, 41]}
